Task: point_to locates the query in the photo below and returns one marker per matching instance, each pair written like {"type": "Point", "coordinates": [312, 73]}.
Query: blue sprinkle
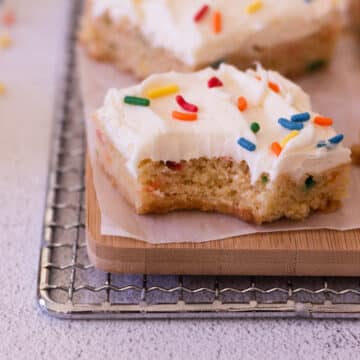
{"type": "Point", "coordinates": [336, 139]}
{"type": "Point", "coordinates": [246, 144]}
{"type": "Point", "coordinates": [325, 143]}
{"type": "Point", "coordinates": [290, 125]}
{"type": "Point", "coordinates": [321, 143]}
{"type": "Point", "coordinates": [301, 117]}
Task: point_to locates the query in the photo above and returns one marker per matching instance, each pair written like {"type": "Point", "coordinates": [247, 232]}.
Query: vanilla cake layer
{"type": "Point", "coordinates": [245, 143]}
{"type": "Point", "coordinates": [125, 35]}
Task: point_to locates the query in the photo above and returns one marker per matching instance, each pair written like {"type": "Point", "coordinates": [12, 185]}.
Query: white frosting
{"type": "Point", "coordinates": [151, 133]}
{"type": "Point", "coordinates": [169, 24]}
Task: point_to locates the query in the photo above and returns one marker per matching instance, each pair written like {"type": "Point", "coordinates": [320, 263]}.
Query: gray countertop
{"type": "Point", "coordinates": [30, 70]}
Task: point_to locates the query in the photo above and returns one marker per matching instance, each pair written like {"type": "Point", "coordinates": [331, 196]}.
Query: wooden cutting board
{"type": "Point", "coordinates": [314, 252]}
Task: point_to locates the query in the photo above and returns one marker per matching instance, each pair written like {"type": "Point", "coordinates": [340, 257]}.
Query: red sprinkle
{"type": "Point", "coordinates": [185, 105]}
{"type": "Point", "coordinates": [214, 82]}
{"type": "Point", "coordinates": [201, 13]}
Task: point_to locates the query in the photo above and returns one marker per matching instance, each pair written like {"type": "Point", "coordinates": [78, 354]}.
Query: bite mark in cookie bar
{"type": "Point", "coordinates": [269, 159]}
{"type": "Point", "coordinates": [288, 36]}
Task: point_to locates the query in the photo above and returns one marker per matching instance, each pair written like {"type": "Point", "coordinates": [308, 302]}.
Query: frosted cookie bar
{"type": "Point", "coordinates": [153, 36]}
{"type": "Point", "coordinates": [241, 143]}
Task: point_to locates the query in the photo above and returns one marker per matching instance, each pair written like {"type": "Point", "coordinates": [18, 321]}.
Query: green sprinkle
{"type": "Point", "coordinates": [255, 127]}
{"type": "Point", "coordinates": [316, 65]}
{"type": "Point", "coordinates": [309, 182]}
{"type": "Point", "coordinates": [216, 64]}
{"type": "Point", "coordinates": [134, 100]}
{"type": "Point", "coordinates": [264, 179]}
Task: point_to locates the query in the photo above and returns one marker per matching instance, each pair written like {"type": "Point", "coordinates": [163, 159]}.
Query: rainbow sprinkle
{"type": "Point", "coordinates": [162, 91]}
{"type": "Point", "coordinates": [323, 121]}
{"type": "Point", "coordinates": [276, 148]}
{"type": "Point", "coordinates": [134, 100]}
{"type": "Point", "coordinates": [274, 87]}
{"type": "Point", "coordinates": [336, 139]}
{"type": "Point", "coordinates": [242, 103]}
{"type": "Point", "coordinates": [330, 143]}
{"type": "Point", "coordinates": [246, 144]}
{"type": "Point", "coordinates": [255, 127]}
{"type": "Point", "coordinates": [217, 22]}
{"type": "Point", "coordinates": [290, 125]}
{"type": "Point", "coordinates": [214, 82]}
{"type": "Point", "coordinates": [184, 116]}
{"type": "Point", "coordinates": [301, 117]}
{"type": "Point", "coordinates": [185, 105]}
{"type": "Point", "coordinates": [288, 137]}
{"type": "Point", "coordinates": [201, 13]}
{"type": "Point", "coordinates": [254, 6]}
{"type": "Point", "coordinates": [322, 143]}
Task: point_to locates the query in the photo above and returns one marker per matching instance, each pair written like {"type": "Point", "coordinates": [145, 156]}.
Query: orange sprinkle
{"type": "Point", "coordinates": [274, 87]}
{"type": "Point", "coordinates": [276, 148]}
{"type": "Point", "coordinates": [323, 121]}
{"type": "Point", "coordinates": [257, 77]}
{"type": "Point", "coordinates": [242, 103]}
{"type": "Point", "coordinates": [184, 116]}
{"type": "Point", "coordinates": [217, 22]}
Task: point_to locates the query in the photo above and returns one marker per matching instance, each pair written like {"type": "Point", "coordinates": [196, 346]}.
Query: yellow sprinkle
{"type": "Point", "coordinates": [5, 41]}
{"type": "Point", "coordinates": [254, 6]}
{"type": "Point", "coordinates": [2, 89]}
{"type": "Point", "coordinates": [162, 91]}
{"type": "Point", "coordinates": [288, 137]}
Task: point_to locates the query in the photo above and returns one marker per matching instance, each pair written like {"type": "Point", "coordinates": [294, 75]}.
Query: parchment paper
{"type": "Point", "coordinates": [335, 92]}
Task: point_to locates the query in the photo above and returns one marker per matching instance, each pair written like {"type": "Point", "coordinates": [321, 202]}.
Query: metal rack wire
{"type": "Point", "coordinates": [70, 287]}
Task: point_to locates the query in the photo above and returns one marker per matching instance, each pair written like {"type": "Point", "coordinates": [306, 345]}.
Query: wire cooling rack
{"type": "Point", "coordinates": [70, 287]}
